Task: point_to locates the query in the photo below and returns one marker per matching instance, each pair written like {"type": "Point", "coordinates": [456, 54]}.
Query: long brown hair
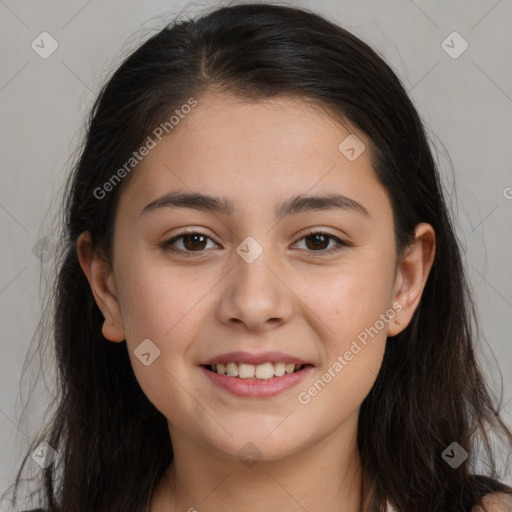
{"type": "Point", "coordinates": [113, 444]}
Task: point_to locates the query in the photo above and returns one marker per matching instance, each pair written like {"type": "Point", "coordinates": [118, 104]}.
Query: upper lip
{"type": "Point", "coordinates": [255, 359]}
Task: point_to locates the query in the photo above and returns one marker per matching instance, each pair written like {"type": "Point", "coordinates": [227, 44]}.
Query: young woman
{"type": "Point", "coordinates": [261, 303]}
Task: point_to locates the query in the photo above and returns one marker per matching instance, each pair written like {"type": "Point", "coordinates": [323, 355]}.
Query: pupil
{"type": "Point", "coordinates": [316, 238]}
{"type": "Point", "coordinates": [193, 245]}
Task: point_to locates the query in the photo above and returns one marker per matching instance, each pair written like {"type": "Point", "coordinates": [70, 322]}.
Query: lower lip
{"type": "Point", "coordinates": [257, 388]}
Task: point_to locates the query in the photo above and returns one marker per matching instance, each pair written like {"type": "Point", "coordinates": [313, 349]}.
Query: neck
{"type": "Point", "coordinates": [324, 476]}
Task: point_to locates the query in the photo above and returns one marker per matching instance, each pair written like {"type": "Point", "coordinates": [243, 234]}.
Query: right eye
{"type": "Point", "coordinates": [192, 241]}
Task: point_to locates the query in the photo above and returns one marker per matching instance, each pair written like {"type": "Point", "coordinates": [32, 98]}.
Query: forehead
{"type": "Point", "coordinates": [267, 149]}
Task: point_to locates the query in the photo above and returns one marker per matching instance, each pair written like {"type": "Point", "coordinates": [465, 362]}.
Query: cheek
{"type": "Point", "coordinates": [156, 300]}
{"type": "Point", "coordinates": [351, 299]}
{"type": "Point", "coordinates": [161, 306]}
{"type": "Point", "coordinates": [354, 343]}
{"type": "Point", "coordinates": [358, 334]}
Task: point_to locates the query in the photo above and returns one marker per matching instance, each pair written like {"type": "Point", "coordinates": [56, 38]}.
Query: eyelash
{"type": "Point", "coordinates": [341, 243]}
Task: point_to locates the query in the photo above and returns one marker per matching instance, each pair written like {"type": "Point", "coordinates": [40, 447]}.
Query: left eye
{"type": "Point", "coordinates": [195, 241]}
{"type": "Point", "coordinates": [321, 240]}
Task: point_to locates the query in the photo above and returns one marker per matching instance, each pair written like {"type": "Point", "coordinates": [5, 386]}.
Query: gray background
{"type": "Point", "coordinates": [465, 102]}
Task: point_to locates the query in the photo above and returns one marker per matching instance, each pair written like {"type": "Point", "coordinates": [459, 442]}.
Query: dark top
{"type": "Point", "coordinates": [483, 483]}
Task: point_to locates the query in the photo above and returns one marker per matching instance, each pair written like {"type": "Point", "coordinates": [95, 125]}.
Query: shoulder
{"type": "Point", "coordinates": [495, 502]}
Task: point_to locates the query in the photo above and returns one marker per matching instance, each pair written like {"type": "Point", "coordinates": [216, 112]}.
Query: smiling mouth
{"type": "Point", "coordinates": [263, 371]}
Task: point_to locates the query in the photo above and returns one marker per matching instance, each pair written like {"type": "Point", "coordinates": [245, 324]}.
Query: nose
{"type": "Point", "coordinates": [256, 296]}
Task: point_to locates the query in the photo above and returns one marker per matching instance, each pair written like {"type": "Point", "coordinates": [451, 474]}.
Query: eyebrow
{"type": "Point", "coordinates": [222, 205]}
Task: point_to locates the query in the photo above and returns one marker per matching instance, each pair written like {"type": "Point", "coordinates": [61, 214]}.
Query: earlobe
{"type": "Point", "coordinates": [412, 277]}
{"type": "Point", "coordinates": [101, 280]}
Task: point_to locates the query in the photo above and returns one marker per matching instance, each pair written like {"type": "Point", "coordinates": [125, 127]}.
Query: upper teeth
{"type": "Point", "coordinates": [251, 371]}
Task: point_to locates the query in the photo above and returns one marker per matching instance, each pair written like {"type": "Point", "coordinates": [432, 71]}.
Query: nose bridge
{"type": "Point", "coordinates": [253, 264]}
{"type": "Point", "coordinates": [255, 293]}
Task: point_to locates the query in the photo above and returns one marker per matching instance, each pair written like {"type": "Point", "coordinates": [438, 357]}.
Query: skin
{"type": "Point", "coordinates": [291, 298]}
{"type": "Point", "coordinates": [497, 502]}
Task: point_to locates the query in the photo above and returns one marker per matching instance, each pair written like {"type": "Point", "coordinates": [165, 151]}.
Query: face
{"type": "Point", "coordinates": [318, 284]}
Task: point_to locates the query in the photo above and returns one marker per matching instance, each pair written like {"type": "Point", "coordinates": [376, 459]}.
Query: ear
{"type": "Point", "coordinates": [101, 280]}
{"type": "Point", "coordinates": [412, 276]}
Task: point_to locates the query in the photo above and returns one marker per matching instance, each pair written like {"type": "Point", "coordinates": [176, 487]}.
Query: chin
{"type": "Point", "coordinates": [257, 445]}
